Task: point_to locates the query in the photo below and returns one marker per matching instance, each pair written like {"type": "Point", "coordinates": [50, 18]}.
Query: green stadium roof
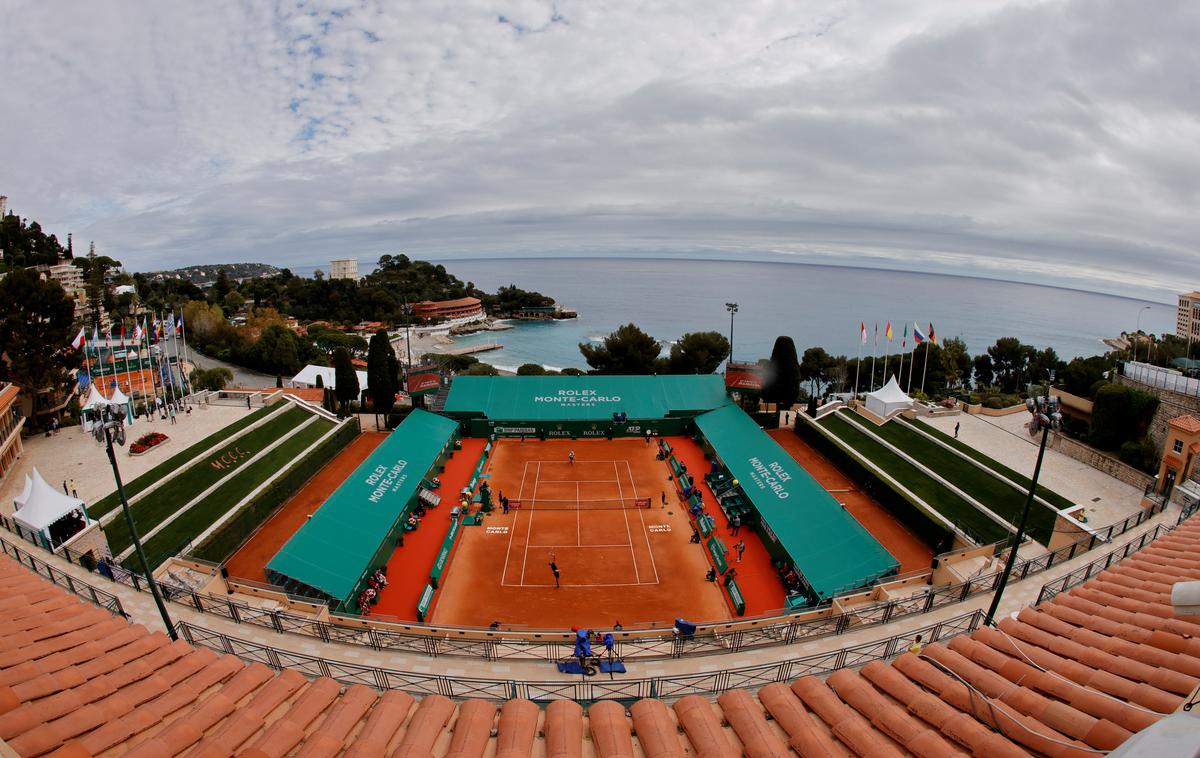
{"type": "Point", "coordinates": [553, 398]}
{"type": "Point", "coordinates": [829, 547]}
{"type": "Point", "coordinates": [334, 549]}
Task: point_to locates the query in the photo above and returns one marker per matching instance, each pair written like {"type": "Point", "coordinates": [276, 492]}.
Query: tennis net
{"type": "Point", "coordinates": [546, 504]}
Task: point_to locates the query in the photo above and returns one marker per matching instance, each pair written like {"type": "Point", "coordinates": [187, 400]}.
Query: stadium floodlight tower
{"type": "Point", "coordinates": [1045, 415]}
{"type": "Point", "coordinates": [732, 308]}
{"type": "Point", "coordinates": [109, 427]}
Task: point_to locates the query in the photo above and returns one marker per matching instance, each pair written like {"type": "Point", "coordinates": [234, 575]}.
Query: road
{"type": "Point", "coordinates": [242, 377]}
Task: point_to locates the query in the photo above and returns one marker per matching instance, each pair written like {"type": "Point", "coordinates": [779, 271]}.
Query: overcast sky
{"type": "Point", "coordinates": [1026, 140]}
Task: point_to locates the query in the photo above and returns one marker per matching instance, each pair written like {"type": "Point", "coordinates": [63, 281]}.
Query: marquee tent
{"type": "Point", "coordinates": [96, 400]}
{"type": "Point", "coordinates": [888, 400]}
{"type": "Point", "coordinates": [41, 505]}
{"type": "Point", "coordinates": [308, 378]}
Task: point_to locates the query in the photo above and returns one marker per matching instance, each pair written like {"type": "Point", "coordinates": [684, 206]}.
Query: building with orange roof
{"type": "Point", "coordinates": [462, 310]}
{"type": "Point", "coordinates": [1180, 452]}
{"type": "Point", "coordinates": [11, 423]}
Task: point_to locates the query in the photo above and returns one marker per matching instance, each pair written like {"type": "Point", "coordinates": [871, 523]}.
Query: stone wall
{"type": "Point", "coordinates": [1100, 461]}
{"type": "Point", "coordinates": [1170, 405]}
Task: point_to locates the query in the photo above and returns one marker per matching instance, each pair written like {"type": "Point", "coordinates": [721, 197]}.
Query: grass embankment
{"type": "Point", "coordinates": [176, 492]}
{"type": "Point", "coordinates": [945, 502]}
{"type": "Point", "coordinates": [1004, 500]}
{"type": "Point", "coordinates": [178, 461]}
{"type": "Point", "coordinates": [1049, 495]}
{"type": "Point", "coordinates": [202, 515]}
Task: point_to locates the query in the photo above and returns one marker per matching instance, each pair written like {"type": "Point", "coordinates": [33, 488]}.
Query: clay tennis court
{"type": "Point", "coordinates": [904, 545]}
{"type": "Point", "coordinates": [250, 561]}
{"type": "Point", "coordinates": [617, 561]}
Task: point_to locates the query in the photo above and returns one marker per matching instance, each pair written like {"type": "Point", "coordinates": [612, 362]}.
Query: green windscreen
{"type": "Point", "coordinates": [334, 548]}
{"type": "Point", "coordinates": [553, 398]}
{"type": "Point", "coordinates": [829, 547]}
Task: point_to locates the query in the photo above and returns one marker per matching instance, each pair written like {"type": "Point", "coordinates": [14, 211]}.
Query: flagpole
{"type": "Point", "coordinates": [903, 347]}
{"type": "Point", "coordinates": [858, 361]}
{"type": "Point", "coordinates": [153, 380]}
{"type": "Point", "coordinates": [86, 363]}
{"type": "Point", "coordinates": [99, 359]}
{"type": "Point", "coordinates": [168, 379]}
{"type": "Point", "coordinates": [887, 349]}
{"type": "Point", "coordinates": [140, 333]}
{"type": "Point", "coordinates": [874, 350]}
{"type": "Point", "coordinates": [175, 344]}
{"type": "Point", "coordinates": [912, 359]}
{"type": "Point", "coordinates": [183, 338]}
{"type": "Point", "coordinates": [925, 366]}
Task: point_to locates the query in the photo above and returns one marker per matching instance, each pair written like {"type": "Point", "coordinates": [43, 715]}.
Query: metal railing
{"type": "Point", "coordinates": [98, 597]}
{"type": "Point", "coordinates": [710, 639]}
{"type": "Point", "coordinates": [1082, 574]}
{"type": "Point", "coordinates": [580, 690]}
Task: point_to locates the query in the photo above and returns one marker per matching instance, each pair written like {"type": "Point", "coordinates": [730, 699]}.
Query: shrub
{"type": "Point", "coordinates": [1141, 454]}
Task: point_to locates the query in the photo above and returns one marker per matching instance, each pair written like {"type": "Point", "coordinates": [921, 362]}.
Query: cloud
{"type": "Point", "coordinates": [1047, 139]}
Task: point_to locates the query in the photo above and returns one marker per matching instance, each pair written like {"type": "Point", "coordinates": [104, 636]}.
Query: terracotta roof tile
{"type": "Point", "coordinates": [1080, 673]}
{"type": "Point", "coordinates": [1189, 424]}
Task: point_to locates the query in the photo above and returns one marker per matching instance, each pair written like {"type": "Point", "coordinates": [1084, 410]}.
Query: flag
{"type": "Point", "coordinates": [169, 328]}
{"type": "Point", "coordinates": [888, 332]}
{"type": "Point", "coordinates": [918, 337]}
{"type": "Point", "coordinates": [110, 331]}
{"type": "Point", "coordinates": [876, 332]}
{"type": "Point", "coordinates": [95, 334]}
{"type": "Point", "coordinates": [904, 342]}
{"type": "Point", "coordinates": [80, 339]}
{"type": "Point", "coordinates": [138, 332]}
{"type": "Point", "coordinates": [179, 323]}
{"type": "Point", "coordinates": [864, 332]}
{"type": "Point", "coordinates": [122, 331]}
{"type": "Point", "coordinates": [932, 334]}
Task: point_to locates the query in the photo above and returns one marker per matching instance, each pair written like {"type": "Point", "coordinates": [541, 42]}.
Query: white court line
{"type": "Point", "coordinates": [624, 513]}
{"type": "Point", "coordinates": [525, 558]}
{"type": "Point", "coordinates": [578, 521]}
{"type": "Point", "coordinates": [554, 547]}
{"type": "Point", "coordinates": [626, 584]}
{"type": "Point", "coordinates": [516, 519]}
{"type": "Point", "coordinates": [571, 500]}
{"type": "Point", "coordinates": [642, 516]}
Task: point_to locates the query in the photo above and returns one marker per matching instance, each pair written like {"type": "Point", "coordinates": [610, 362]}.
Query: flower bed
{"type": "Point", "coordinates": [144, 443]}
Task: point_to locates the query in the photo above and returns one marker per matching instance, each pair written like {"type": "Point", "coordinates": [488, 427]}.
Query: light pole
{"type": "Point", "coordinates": [1045, 416]}
{"type": "Point", "coordinates": [1138, 330]}
{"type": "Point", "coordinates": [112, 419]}
{"type": "Point", "coordinates": [732, 308]}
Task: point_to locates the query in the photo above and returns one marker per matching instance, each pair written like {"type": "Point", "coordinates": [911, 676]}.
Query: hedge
{"type": "Point", "coordinates": [199, 517]}
{"type": "Point", "coordinates": [1001, 498]}
{"type": "Point", "coordinates": [177, 462]}
{"type": "Point", "coordinates": [932, 532]}
{"type": "Point", "coordinates": [957, 510]}
{"type": "Point", "coordinates": [180, 489]}
{"type": "Point", "coordinates": [227, 540]}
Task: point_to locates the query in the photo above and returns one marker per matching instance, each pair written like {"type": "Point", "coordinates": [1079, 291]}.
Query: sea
{"type": "Point", "coordinates": [815, 305]}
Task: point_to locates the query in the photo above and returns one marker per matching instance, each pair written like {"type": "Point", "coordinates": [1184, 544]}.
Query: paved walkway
{"type": "Point", "coordinates": [141, 608]}
{"type": "Point", "coordinates": [75, 454]}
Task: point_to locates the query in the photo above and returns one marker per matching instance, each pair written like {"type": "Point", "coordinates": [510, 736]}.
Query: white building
{"type": "Point", "coordinates": [1187, 318]}
{"type": "Point", "coordinates": [308, 377]}
{"type": "Point", "coordinates": [344, 268]}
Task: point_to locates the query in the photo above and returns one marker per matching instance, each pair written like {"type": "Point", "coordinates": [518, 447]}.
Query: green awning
{"type": "Point", "coordinates": [552, 398]}
{"type": "Point", "coordinates": [334, 548]}
{"type": "Point", "coordinates": [829, 547]}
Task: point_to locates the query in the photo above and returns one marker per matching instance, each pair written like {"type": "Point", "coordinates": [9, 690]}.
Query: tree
{"type": "Point", "coordinates": [278, 351]}
{"type": "Point", "coordinates": [344, 377]}
{"type": "Point", "coordinates": [782, 385]}
{"type": "Point", "coordinates": [985, 374]}
{"type": "Point", "coordinates": [1081, 374]}
{"type": "Point", "coordinates": [234, 301]}
{"type": "Point", "coordinates": [531, 369]}
{"type": "Point", "coordinates": [222, 287]}
{"type": "Point", "coordinates": [379, 373]}
{"type": "Point", "coordinates": [36, 331]}
{"type": "Point", "coordinates": [320, 382]}
{"type": "Point", "coordinates": [814, 367]}
{"type": "Point", "coordinates": [956, 362]}
{"type": "Point", "coordinates": [628, 350]}
{"type": "Point", "coordinates": [698, 353]}
{"type": "Point", "coordinates": [483, 369]}
{"type": "Point", "coordinates": [214, 379]}
{"type": "Point", "coordinates": [1010, 360]}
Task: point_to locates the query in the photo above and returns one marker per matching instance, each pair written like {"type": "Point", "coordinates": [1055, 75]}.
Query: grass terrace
{"type": "Point", "coordinates": [933, 493]}
{"type": "Point", "coordinates": [179, 461]}
{"type": "Point", "coordinates": [1003, 499]}
{"type": "Point", "coordinates": [203, 514]}
{"type": "Point", "coordinates": [1049, 495]}
{"type": "Point", "coordinates": [181, 489]}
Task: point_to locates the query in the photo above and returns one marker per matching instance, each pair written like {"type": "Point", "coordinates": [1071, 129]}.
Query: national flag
{"type": "Point", "coordinates": [95, 334]}
{"type": "Point", "coordinates": [110, 332]}
{"type": "Point", "coordinates": [122, 332]}
{"type": "Point", "coordinates": [138, 332]}
{"type": "Point", "coordinates": [918, 337]}
{"type": "Point", "coordinates": [864, 332]}
{"type": "Point", "coordinates": [932, 334]}
{"type": "Point", "coordinates": [888, 332]}
{"type": "Point", "coordinates": [179, 323]}
{"type": "Point", "coordinates": [169, 327]}
{"type": "Point", "coordinates": [876, 332]}
{"type": "Point", "coordinates": [904, 342]}
{"type": "Point", "coordinates": [80, 339]}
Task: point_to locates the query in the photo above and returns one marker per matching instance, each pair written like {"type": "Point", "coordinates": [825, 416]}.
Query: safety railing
{"type": "Point", "coordinates": [1082, 574]}
{"type": "Point", "coordinates": [583, 690]}
{"type": "Point", "coordinates": [710, 639]}
{"type": "Point", "coordinates": [98, 597]}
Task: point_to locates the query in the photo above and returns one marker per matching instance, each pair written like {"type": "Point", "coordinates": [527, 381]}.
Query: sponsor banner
{"type": "Point", "coordinates": [530, 430]}
{"type": "Point", "coordinates": [576, 398]}
{"type": "Point", "coordinates": [421, 383]}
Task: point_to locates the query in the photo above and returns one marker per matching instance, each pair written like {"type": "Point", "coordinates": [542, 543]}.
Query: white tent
{"type": "Point", "coordinates": [44, 505]}
{"type": "Point", "coordinates": [888, 400]}
{"type": "Point", "coordinates": [308, 377]}
{"type": "Point", "coordinates": [96, 400]}
{"type": "Point", "coordinates": [19, 500]}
